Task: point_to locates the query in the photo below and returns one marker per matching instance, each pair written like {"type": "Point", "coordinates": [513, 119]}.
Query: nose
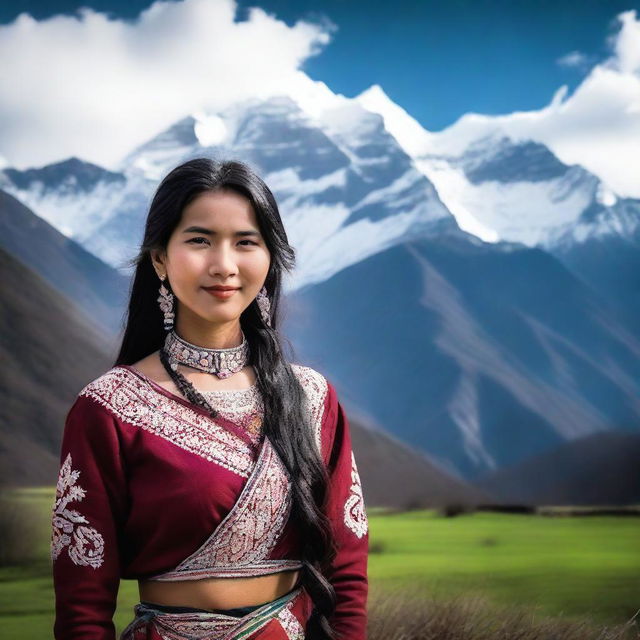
{"type": "Point", "coordinates": [222, 261]}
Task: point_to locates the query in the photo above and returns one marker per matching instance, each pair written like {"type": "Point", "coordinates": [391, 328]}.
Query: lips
{"type": "Point", "coordinates": [221, 292]}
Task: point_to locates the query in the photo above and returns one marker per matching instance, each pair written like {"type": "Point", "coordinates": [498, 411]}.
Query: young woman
{"type": "Point", "coordinates": [204, 464]}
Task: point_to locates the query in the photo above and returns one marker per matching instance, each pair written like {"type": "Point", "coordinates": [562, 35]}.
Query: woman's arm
{"type": "Point", "coordinates": [87, 517]}
{"type": "Point", "coordinates": [347, 512]}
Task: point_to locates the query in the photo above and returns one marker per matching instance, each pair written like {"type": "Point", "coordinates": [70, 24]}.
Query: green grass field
{"type": "Point", "coordinates": [579, 567]}
{"type": "Point", "coordinates": [574, 566]}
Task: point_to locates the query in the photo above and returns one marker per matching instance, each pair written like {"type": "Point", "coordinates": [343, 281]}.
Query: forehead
{"type": "Point", "coordinates": [222, 208]}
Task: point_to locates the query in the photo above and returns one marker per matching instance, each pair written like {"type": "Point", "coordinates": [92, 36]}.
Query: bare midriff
{"type": "Point", "coordinates": [219, 593]}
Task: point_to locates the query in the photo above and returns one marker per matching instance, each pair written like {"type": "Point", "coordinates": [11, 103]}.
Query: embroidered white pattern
{"type": "Point", "coordinates": [291, 624]}
{"type": "Point", "coordinates": [242, 406]}
{"type": "Point", "coordinates": [135, 401]}
{"type": "Point", "coordinates": [242, 542]}
{"type": "Point", "coordinates": [86, 545]}
{"type": "Point", "coordinates": [355, 516]}
{"type": "Point", "coordinates": [315, 386]}
{"type": "Point", "coordinates": [178, 626]}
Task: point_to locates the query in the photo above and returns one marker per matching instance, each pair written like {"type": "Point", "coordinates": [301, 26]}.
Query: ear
{"type": "Point", "coordinates": [158, 261]}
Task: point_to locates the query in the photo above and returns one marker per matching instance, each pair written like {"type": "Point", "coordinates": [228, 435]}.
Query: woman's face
{"type": "Point", "coordinates": [217, 242]}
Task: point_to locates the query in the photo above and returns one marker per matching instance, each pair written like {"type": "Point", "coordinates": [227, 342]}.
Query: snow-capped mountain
{"type": "Point", "coordinates": [520, 192]}
{"type": "Point", "coordinates": [345, 187]}
{"type": "Point", "coordinates": [336, 161]}
{"type": "Point", "coordinates": [504, 189]}
{"type": "Point", "coordinates": [74, 196]}
{"type": "Point", "coordinates": [500, 188]}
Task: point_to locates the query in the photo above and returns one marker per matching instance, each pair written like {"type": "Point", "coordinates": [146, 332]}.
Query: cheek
{"type": "Point", "coordinates": [185, 267]}
{"type": "Point", "coordinates": [256, 265]}
{"type": "Point", "coordinates": [260, 268]}
{"type": "Point", "coordinates": [265, 261]}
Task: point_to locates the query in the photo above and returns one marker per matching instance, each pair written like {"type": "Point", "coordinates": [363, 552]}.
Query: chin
{"type": "Point", "coordinates": [223, 317]}
{"type": "Point", "coordinates": [220, 313]}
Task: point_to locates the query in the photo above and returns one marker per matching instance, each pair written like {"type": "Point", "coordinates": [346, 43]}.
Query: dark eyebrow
{"type": "Point", "coordinates": [211, 233]}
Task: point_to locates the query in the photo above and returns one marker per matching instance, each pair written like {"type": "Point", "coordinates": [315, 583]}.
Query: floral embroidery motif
{"type": "Point", "coordinates": [242, 542]}
{"type": "Point", "coordinates": [135, 401]}
{"type": "Point", "coordinates": [86, 545]}
{"type": "Point", "coordinates": [355, 516]}
{"type": "Point", "coordinates": [291, 624]}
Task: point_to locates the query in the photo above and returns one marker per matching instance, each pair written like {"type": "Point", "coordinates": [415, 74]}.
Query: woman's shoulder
{"type": "Point", "coordinates": [93, 411]}
{"type": "Point", "coordinates": [321, 395]}
{"type": "Point", "coordinates": [322, 406]}
{"type": "Point", "coordinates": [98, 394]}
{"type": "Point", "coordinates": [313, 382]}
{"type": "Point", "coordinates": [105, 381]}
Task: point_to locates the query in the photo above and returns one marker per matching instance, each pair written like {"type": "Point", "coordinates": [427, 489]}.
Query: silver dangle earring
{"type": "Point", "coordinates": [264, 305]}
{"type": "Point", "coordinates": [166, 304]}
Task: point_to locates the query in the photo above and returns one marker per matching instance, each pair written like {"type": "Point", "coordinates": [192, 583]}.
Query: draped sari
{"type": "Point", "coordinates": [151, 487]}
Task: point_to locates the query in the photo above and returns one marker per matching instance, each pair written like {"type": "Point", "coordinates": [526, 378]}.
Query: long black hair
{"type": "Point", "coordinates": [285, 421]}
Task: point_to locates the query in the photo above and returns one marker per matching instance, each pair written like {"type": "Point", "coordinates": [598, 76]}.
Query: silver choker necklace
{"type": "Point", "coordinates": [221, 362]}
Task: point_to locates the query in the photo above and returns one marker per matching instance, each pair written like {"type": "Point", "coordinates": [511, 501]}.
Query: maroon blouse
{"type": "Point", "coordinates": [151, 487]}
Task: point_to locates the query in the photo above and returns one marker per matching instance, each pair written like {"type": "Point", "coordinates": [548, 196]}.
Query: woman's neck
{"type": "Point", "coordinates": [211, 336]}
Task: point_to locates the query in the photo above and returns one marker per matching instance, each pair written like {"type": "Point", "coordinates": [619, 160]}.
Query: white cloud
{"type": "Point", "coordinates": [575, 59]}
{"type": "Point", "coordinates": [626, 44]}
{"type": "Point", "coordinates": [597, 126]}
{"type": "Point", "coordinates": [95, 87]}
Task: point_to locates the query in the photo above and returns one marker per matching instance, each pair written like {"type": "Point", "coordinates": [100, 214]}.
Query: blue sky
{"type": "Point", "coordinates": [438, 60]}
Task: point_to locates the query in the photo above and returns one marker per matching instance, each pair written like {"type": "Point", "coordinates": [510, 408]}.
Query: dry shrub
{"type": "Point", "coordinates": [377, 546]}
{"type": "Point", "coordinates": [452, 509]}
{"type": "Point", "coordinates": [416, 504]}
{"type": "Point", "coordinates": [18, 543]}
{"type": "Point", "coordinates": [406, 616]}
